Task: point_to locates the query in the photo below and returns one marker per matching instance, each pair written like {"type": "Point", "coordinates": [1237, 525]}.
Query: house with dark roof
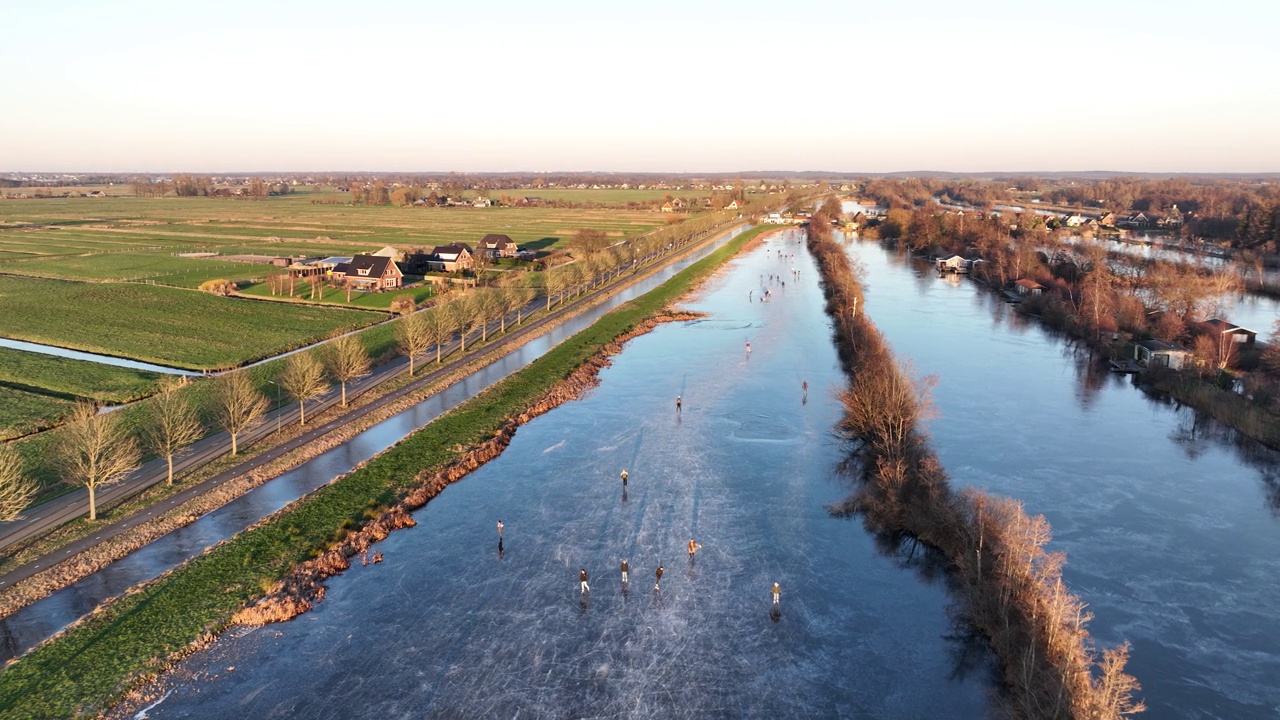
{"type": "Point", "coordinates": [449, 258]}
{"type": "Point", "coordinates": [1136, 220]}
{"type": "Point", "coordinates": [497, 246]}
{"type": "Point", "coordinates": [369, 272]}
{"type": "Point", "coordinates": [1225, 332]}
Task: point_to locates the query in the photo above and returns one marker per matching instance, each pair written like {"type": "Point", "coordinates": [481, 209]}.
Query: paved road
{"type": "Point", "coordinates": [72, 505]}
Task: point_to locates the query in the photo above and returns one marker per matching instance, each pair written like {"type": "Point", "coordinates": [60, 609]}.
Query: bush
{"type": "Point", "coordinates": [219, 286]}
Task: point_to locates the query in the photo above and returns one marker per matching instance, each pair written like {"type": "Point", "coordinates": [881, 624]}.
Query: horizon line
{"type": "Point", "coordinates": [841, 173]}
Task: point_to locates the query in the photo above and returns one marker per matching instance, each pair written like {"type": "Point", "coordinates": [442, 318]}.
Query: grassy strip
{"type": "Point", "coordinates": [83, 670]}
{"type": "Point", "coordinates": [1248, 418]}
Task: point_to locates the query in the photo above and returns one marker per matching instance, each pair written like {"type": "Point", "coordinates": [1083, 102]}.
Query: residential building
{"type": "Point", "coordinates": [369, 272]}
{"type": "Point", "coordinates": [497, 246]}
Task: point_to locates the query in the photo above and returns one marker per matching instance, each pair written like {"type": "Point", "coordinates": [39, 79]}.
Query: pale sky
{"type": "Point", "coordinates": [651, 86]}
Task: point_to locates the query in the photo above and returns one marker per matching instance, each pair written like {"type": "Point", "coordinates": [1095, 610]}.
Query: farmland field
{"type": "Point", "coordinates": [162, 325]}
{"type": "Point", "coordinates": [209, 222]}
{"type": "Point", "coordinates": [74, 378]}
{"type": "Point", "coordinates": [616, 196]}
{"type": "Point", "coordinates": [23, 412]}
{"type": "Point", "coordinates": [120, 249]}
{"type": "Point", "coordinates": [338, 296]}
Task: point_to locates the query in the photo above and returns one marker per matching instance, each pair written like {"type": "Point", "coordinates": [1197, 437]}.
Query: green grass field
{"type": "Point", "coordinates": [168, 326]}
{"type": "Point", "coordinates": [74, 378]}
{"type": "Point", "coordinates": [338, 296]}
{"type": "Point", "coordinates": [24, 412]}
{"type": "Point", "coordinates": [210, 222]}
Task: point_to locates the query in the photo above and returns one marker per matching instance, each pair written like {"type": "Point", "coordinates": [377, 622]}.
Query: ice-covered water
{"type": "Point", "coordinates": [1171, 527]}
{"type": "Point", "coordinates": [449, 626]}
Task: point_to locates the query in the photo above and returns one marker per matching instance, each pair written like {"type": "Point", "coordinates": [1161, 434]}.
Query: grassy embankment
{"type": "Point", "coordinates": [1011, 589]}
{"type": "Point", "coordinates": [83, 670]}
{"type": "Point", "coordinates": [24, 412]}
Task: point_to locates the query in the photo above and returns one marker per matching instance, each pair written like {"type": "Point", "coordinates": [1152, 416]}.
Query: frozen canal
{"type": "Point", "coordinates": [448, 626]}
{"type": "Point", "coordinates": [1169, 521]}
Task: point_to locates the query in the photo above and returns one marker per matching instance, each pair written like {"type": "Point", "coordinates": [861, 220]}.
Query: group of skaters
{"type": "Point", "coordinates": [766, 294]}
{"type": "Point", "coordinates": [693, 546]}
{"type": "Point", "coordinates": [624, 566]}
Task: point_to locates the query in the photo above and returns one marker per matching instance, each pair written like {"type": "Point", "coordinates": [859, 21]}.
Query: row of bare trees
{"type": "Point", "coordinates": [98, 449]}
{"type": "Point", "coordinates": [1011, 586]}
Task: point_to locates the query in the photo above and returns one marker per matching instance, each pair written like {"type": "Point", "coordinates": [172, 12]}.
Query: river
{"type": "Point", "coordinates": [451, 626]}
{"type": "Point", "coordinates": [1170, 522]}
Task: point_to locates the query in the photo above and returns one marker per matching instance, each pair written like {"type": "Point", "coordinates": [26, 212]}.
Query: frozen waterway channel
{"type": "Point", "coordinates": [447, 627]}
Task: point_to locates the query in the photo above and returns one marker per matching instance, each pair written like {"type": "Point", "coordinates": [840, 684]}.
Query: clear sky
{"type": "Point", "coordinates": [854, 86]}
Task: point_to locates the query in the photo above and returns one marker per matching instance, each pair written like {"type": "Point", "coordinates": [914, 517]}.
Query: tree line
{"type": "Point", "coordinates": [1110, 299]}
{"type": "Point", "coordinates": [1239, 213]}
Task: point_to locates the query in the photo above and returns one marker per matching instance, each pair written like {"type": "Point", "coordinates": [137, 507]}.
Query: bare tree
{"type": "Point", "coordinates": [411, 337]}
{"type": "Point", "coordinates": [303, 378]}
{"type": "Point", "coordinates": [95, 451]}
{"type": "Point", "coordinates": [469, 317]}
{"type": "Point", "coordinates": [556, 281]}
{"type": "Point", "coordinates": [510, 299]}
{"type": "Point", "coordinates": [438, 325]}
{"type": "Point", "coordinates": [347, 360]}
{"type": "Point", "coordinates": [587, 241]}
{"type": "Point", "coordinates": [237, 404]}
{"type": "Point", "coordinates": [522, 296]}
{"type": "Point", "coordinates": [16, 488]}
{"type": "Point", "coordinates": [488, 307]}
{"type": "Point", "coordinates": [173, 424]}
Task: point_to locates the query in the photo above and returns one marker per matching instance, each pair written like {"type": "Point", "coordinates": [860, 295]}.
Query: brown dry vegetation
{"type": "Point", "coordinates": [1011, 587]}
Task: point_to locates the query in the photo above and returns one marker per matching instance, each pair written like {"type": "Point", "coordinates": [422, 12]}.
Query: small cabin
{"type": "Point", "coordinates": [1026, 286]}
{"type": "Point", "coordinates": [1157, 353]}
{"type": "Point", "coordinates": [954, 264]}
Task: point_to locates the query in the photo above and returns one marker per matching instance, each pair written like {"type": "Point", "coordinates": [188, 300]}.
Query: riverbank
{"type": "Point", "coordinates": [129, 640]}
{"type": "Point", "coordinates": [1011, 588]}
{"type": "Point", "coordinates": [1204, 394]}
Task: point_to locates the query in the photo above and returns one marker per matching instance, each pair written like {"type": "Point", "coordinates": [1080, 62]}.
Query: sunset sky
{"type": "Point", "coordinates": [655, 86]}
